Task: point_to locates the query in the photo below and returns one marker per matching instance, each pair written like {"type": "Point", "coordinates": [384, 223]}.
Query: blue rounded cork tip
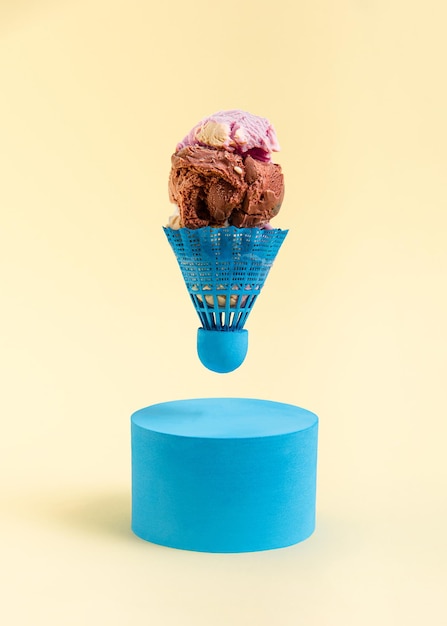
{"type": "Point", "coordinates": [222, 351]}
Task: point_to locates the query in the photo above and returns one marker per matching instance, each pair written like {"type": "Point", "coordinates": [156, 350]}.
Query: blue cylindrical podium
{"type": "Point", "coordinates": [224, 474]}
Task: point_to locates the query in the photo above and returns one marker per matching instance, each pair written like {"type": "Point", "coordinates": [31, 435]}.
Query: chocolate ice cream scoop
{"type": "Point", "coordinates": [215, 187]}
{"type": "Point", "coordinates": [264, 196]}
{"type": "Point", "coordinates": [207, 185]}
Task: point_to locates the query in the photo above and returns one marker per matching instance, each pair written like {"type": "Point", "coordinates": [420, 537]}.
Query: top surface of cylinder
{"type": "Point", "coordinates": [224, 418]}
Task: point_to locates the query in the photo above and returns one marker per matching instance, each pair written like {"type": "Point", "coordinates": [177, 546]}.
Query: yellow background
{"type": "Point", "coordinates": [96, 323]}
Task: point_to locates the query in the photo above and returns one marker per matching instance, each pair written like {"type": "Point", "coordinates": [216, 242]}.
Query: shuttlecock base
{"type": "Point", "coordinates": [222, 351]}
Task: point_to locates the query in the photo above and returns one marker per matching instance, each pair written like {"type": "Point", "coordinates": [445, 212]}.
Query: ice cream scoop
{"type": "Point", "coordinates": [222, 173]}
{"type": "Point", "coordinates": [215, 187]}
{"type": "Point", "coordinates": [236, 131]}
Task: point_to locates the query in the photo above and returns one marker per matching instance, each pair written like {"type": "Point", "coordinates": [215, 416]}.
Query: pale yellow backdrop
{"type": "Point", "coordinates": [96, 323]}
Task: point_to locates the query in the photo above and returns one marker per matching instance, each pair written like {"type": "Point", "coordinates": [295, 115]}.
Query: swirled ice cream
{"type": "Point", "coordinates": [222, 173]}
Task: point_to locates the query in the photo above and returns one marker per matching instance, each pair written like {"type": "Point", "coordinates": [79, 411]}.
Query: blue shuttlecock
{"type": "Point", "coordinates": [224, 270]}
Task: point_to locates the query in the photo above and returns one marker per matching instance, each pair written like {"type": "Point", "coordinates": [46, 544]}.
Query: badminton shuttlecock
{"type": "Point", "coordinates": [224, 270]}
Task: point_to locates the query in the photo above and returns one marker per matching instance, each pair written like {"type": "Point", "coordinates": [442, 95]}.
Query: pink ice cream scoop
{"type": "Point", "coordinates": [235, 131]}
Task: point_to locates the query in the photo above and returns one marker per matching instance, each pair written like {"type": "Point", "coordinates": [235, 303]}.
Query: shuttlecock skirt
{"type": "Point", "coordinates": [224, 270]}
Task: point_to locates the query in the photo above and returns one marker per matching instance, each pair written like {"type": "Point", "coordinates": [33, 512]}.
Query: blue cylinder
{"type": "Point", "coordinates": [224, 474]}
